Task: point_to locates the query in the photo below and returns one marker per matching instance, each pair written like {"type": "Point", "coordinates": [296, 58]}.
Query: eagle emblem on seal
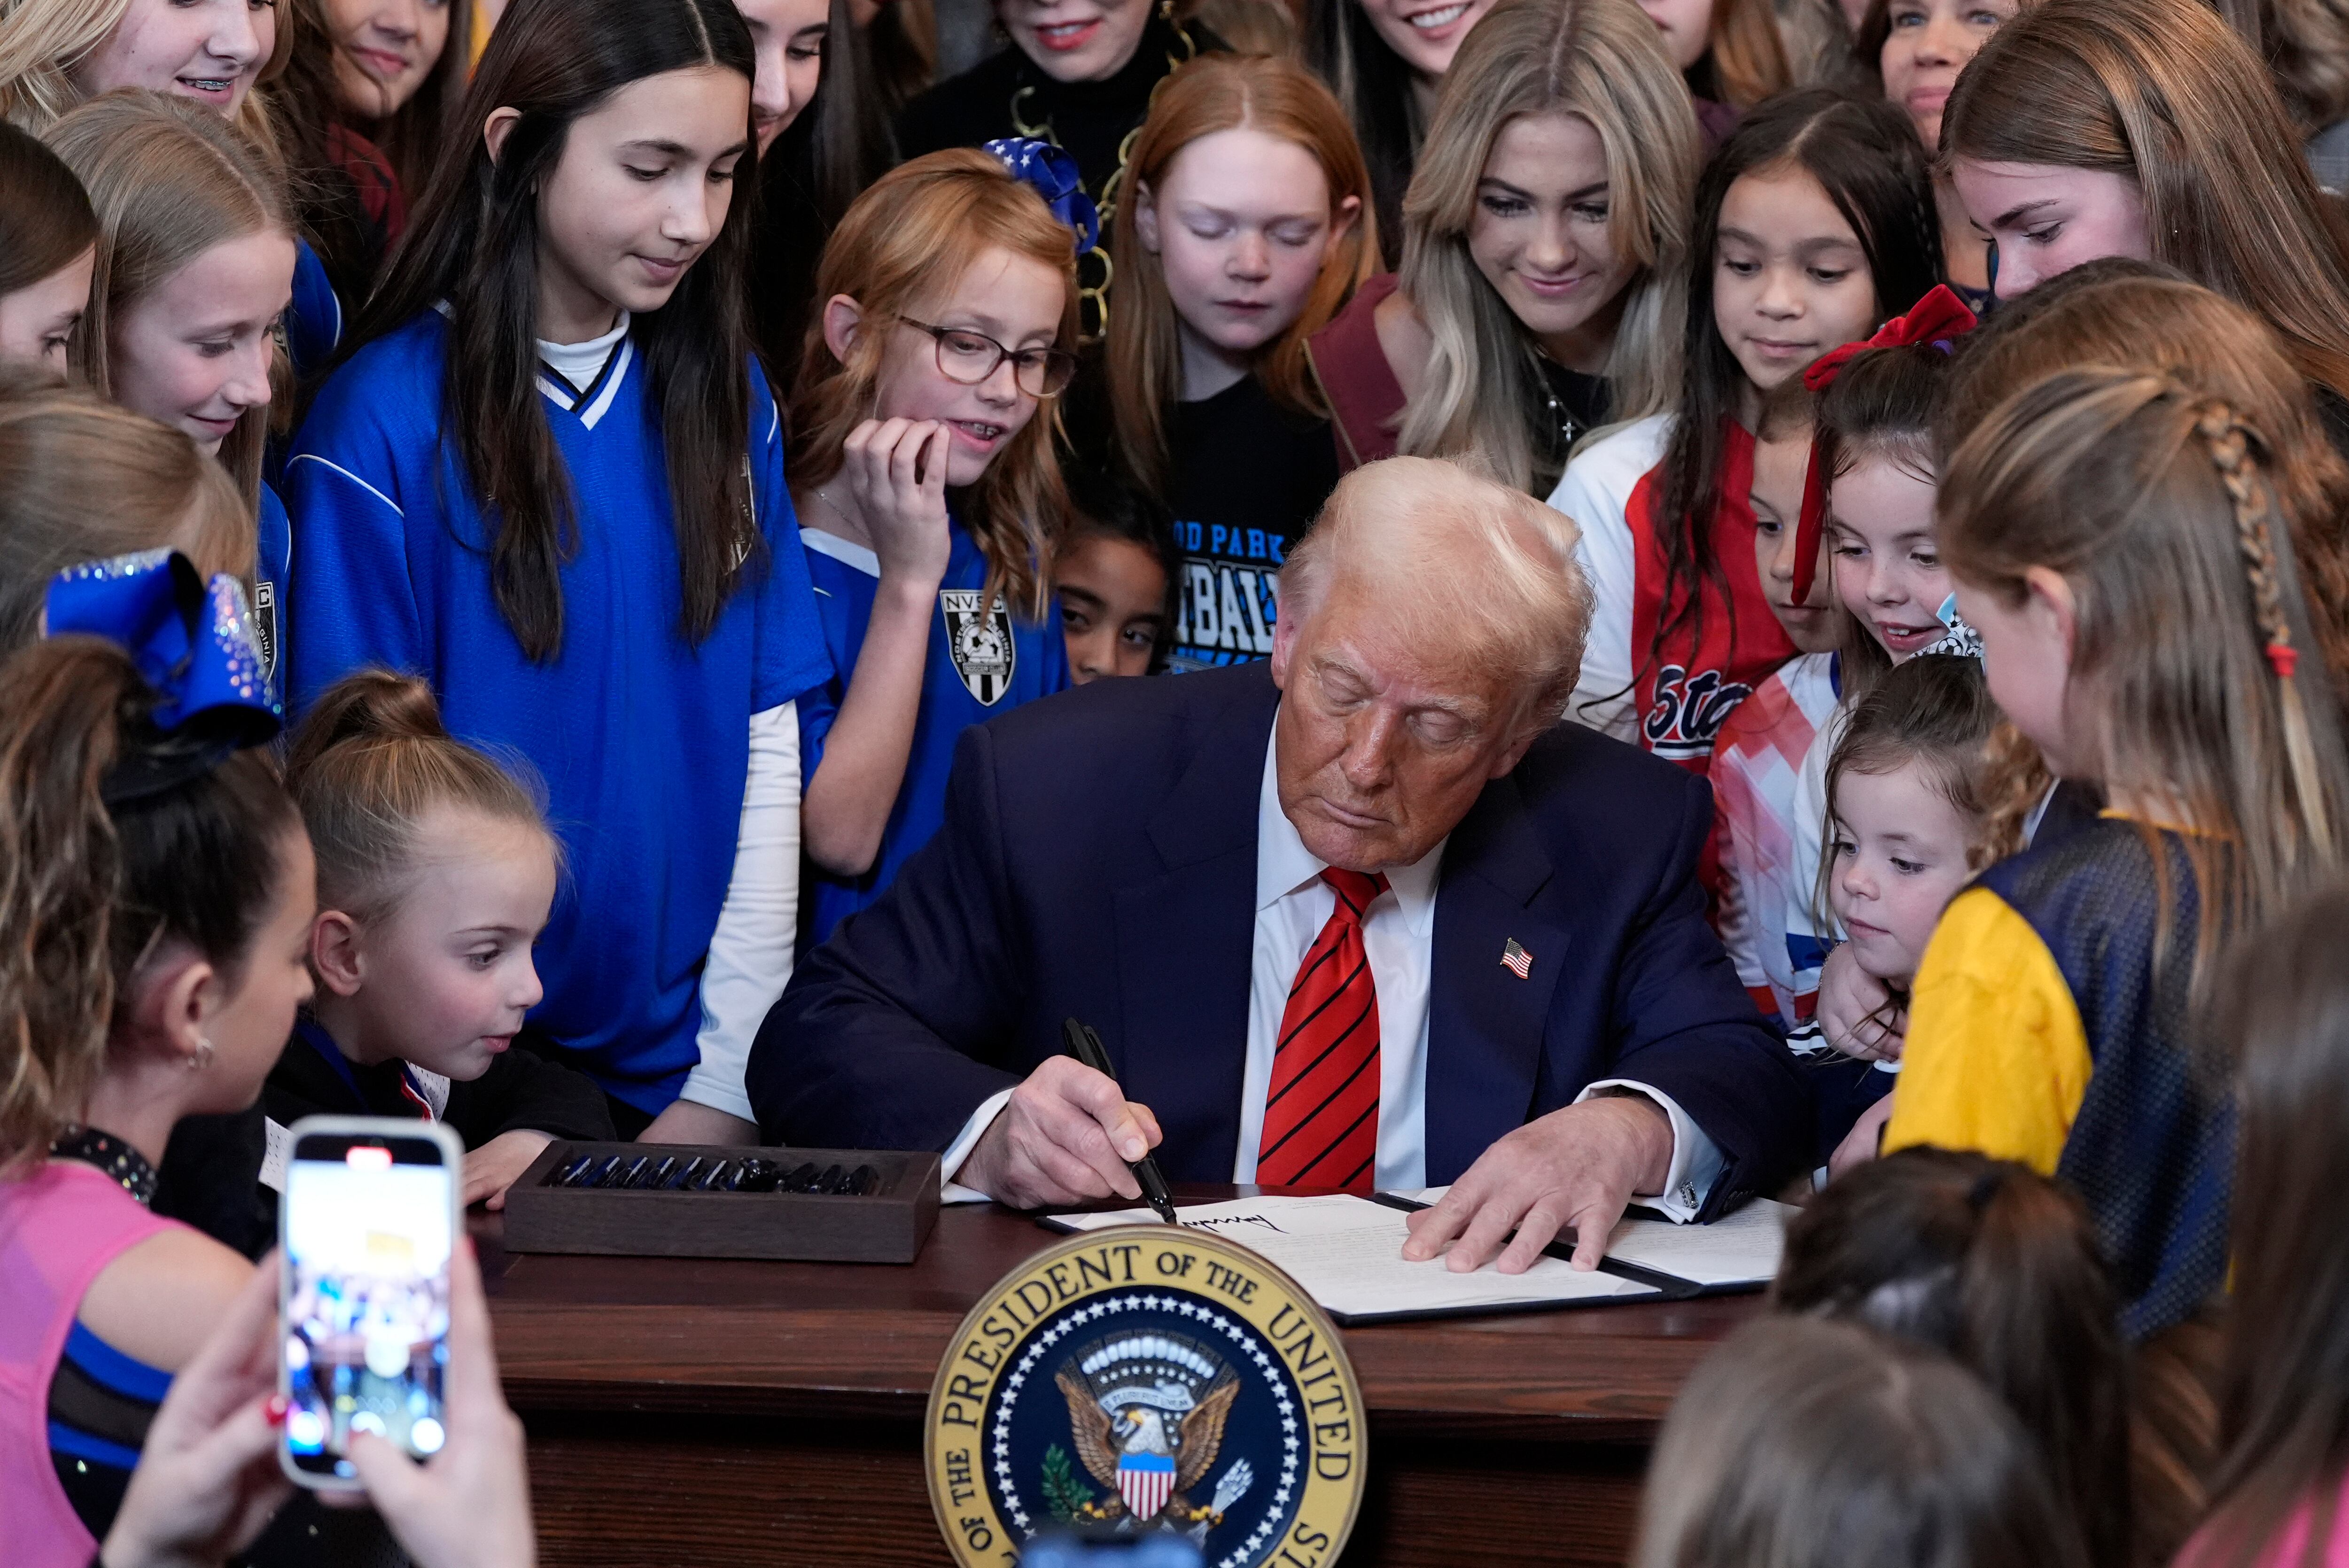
{"type": "Point", "coordinates": [1146, 1415]}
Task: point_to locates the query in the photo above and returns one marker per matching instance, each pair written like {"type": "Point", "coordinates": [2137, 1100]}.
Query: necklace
{"type": "Point", "coordinates": [1095, 270]}
{"type": "Point", "coordinates": [121, 1164]}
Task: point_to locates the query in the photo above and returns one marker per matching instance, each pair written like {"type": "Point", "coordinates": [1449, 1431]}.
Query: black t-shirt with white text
{"type": "Point", "coordinates": [1248, 478]}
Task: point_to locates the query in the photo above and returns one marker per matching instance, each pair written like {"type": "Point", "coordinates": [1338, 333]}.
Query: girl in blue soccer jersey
{"type": "Point", "coordinates": [929, 489]}
{"type": "Point", "coordinates": [550, 483]}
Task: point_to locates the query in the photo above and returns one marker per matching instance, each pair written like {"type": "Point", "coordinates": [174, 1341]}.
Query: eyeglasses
{"type": "Point", "coordinates": [971, 357]}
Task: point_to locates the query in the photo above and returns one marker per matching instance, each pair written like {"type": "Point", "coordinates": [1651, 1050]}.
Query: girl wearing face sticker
{"type": "Point", "coordinates": [1244, 234]}
{"type": "Point", "coordinates": [1813, 224]}
{"type": "Point", "coordinates": [2116, 542]}
{"type": "Point", "coordinates": [48, 239]}
{"type": "Point", "coordinates": [551, 484]}
{"type": "Point", "coordinates": [165, 997]}
{"type": "Point", "coordinates": [361, 109]}
{"type": "Point", "coordinates": [1079, 74]}
{"type": "Point", "coordinates": [1540, 295]}
{"type": "Point", "coordinates": [435, 872]}
{"type": "Point", "coordinates": [195, 268]}
{"type": "Point", "coordinates": [2147, 128]}
{"type": "Point", "coordinates": [930, 499]}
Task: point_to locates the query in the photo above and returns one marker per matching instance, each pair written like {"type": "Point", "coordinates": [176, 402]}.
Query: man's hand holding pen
{"type": "Point", "coordinates": [1066, 1135]}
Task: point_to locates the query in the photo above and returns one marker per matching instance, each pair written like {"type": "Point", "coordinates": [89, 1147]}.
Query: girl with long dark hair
{"type": "Point", "coordinates": [550, 483]}
{"type": "Point", "coordinates": [1813, 225]}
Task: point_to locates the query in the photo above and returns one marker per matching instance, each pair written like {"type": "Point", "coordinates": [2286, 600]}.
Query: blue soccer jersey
{"type": "Point", "coordinates": [270, 575]}
{"type": "Point", "coordinates": [983, 661]}
{"type": "Point", "coordinates": [641, 736]}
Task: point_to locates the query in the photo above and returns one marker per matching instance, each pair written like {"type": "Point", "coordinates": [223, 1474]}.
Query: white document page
{"type": "Point", "coordinates": [1743, 1248]}
{"type": "Point", "coordinates": [1347, 1253]}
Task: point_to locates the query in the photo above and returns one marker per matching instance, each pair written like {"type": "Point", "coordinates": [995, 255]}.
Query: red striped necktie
{"type": "Point", "coordinates": [1321, 1111]}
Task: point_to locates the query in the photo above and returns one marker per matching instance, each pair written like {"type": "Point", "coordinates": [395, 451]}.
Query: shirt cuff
{"type": "Point", "coordinates": [750, 955]}
{"type": "Point", "coordinates": [1696, 1158]}
{"type": "Point", "coordinates": [972, 1131]}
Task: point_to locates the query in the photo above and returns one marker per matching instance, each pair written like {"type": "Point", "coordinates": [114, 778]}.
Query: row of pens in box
{"type": "Point", "coordinates": [701, 1173]}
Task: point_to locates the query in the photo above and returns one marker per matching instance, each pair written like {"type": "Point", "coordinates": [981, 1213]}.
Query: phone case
{"type": "Point", "coordinates": [453, 1155]}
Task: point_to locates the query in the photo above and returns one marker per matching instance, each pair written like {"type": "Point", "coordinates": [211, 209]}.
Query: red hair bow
{"type": "Point", "coordinates": [1936, 319]}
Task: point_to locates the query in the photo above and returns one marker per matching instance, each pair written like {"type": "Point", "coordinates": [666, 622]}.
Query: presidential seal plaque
{"type": "Point", "coordinates": [1147, 1378]}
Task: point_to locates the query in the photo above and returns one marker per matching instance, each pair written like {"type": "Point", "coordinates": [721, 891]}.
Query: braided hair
{"type": "Point", "coordinates": [2186, 627]}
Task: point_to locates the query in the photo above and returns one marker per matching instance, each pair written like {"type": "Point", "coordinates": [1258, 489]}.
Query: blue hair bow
{"type": "Point", "coordinates": [1052, 174]}
{"type": "Point", "coordinates": [193, 643]}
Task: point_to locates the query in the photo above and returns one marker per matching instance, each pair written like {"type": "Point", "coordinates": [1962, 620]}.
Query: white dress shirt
{"type": "Point", "coordinates": [1292, 902]}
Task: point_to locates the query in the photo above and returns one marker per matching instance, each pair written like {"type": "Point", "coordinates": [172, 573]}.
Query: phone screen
{"type": "Point", "coordinates": [368, 1221]}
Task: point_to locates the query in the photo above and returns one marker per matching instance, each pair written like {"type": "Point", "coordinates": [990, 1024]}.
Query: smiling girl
{"type": "Point", "coordinates": [195, 267]}
{"type": "Point", "coordinates": [54, 53]}
{"type": "Point", "coordinates": [364, 100]}
{"type": "Point", "coordinates": [1540, 290]}
{"type": "Point", "coordinates": [1244, 234]}
{"type": "Point", "coordinates": [1386, 60]}
{"type": "Point", "coordinates": [1813, 224]}
{"type": "Point", "coordinates": [48, 240]}
{"type": "Point", "coordinates": [551, 485]}
{"type": "Point", "coordinates": [931, 501]}
{"type": "Point", "coordinates": [2146, 129]}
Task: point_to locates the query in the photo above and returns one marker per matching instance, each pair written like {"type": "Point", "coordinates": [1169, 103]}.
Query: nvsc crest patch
{"type": "Point", "coordinates": [1144, 1379]}
{"type": "Point", "coordinates": [979, 641]}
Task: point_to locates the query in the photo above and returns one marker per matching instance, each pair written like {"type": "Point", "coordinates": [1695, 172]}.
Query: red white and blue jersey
{"type": "Point", "coordinates": [1669, 695]}
{"type": "Point", "coordinates": [1757, 761]}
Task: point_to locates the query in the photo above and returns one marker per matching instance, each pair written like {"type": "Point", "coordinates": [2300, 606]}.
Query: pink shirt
{"type": "Point", "coordinates": [59, 1227]}
{"type": "Point", "coordinates": [2291, 1542]}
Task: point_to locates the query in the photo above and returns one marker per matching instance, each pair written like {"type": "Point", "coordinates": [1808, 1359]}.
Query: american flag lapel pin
{"type": "Point", "coordinates": [1517, 961]}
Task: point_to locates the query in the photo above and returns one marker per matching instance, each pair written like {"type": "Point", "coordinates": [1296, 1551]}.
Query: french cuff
{"type": "Point", "coordinates": [950, 1165]}
{"type": "Point", "coordinates": [1696, 1158]}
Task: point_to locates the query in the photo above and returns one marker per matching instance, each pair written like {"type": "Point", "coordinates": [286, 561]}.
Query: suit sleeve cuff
{"type": "Point", "coordinates": [1696, 1158]}
{"type": "Point", "coordinates": [951, 1163]}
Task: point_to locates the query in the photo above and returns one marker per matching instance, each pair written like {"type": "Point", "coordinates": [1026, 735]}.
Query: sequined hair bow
{"type": "Point", "coordinates": [195, 644]}
{"type": "Point", "coordinates": [1051, 173]}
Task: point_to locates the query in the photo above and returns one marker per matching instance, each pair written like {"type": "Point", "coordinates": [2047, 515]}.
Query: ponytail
{"type": "Point", "coordinates": [370, 761]}
{"type": "Point", "coordinates": [1998, 1267]}
{"type": "Point", "coordinates": [89, 892]}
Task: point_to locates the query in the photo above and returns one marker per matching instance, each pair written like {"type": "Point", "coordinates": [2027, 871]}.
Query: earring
{"type": "Point", "coordinates": [202, 1057]}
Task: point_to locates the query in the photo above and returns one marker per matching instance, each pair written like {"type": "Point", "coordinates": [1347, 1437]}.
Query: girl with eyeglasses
{"type": "Point", "coordinates": [551, 484]}
{"type": "Point", "coordinates": [928, 495]}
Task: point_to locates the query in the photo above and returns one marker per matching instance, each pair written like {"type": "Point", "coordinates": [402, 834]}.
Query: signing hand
{"type": "Point", "coordinates": [894, 472]}
{"type": "Point", "coordinates": [1573, 1169]}
{"type": "Point", "coordinates": [468, 1506]}
{"type": "Point", "coordinates": [1065, 1136]}
{"type": "Point", "coordinates": [208, 1478]}
{"type": "Point", "coordinates": [495, 1165]}
{"type": "Point", "coordinates": [1856, 1011]}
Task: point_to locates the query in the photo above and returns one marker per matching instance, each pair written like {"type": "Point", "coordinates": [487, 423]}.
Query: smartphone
{"type": "Point", "coordinates": [367, 1221]}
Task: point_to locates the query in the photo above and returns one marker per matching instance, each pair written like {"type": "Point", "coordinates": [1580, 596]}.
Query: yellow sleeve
{"type": "Point", "coordinates": [1997, 1059]}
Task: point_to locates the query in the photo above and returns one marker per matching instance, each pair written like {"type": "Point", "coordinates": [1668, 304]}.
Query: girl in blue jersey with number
{"type": "Point", "coordinates": [550, 483]}
{"type": "Point", "coordinates": [928, 489]}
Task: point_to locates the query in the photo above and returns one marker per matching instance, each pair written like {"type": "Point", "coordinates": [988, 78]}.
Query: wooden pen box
{"type": "Point", "coordinates": [885, 1226]}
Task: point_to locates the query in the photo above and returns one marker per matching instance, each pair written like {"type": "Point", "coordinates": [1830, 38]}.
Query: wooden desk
{"type": "Point", "coordinates": [720, 1413]}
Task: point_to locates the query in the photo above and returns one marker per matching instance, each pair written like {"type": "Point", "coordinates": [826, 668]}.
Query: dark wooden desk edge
{"type": "Point", "coordinates": [1606, 1375]}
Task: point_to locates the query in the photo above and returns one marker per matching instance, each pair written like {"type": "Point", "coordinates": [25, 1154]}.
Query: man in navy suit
{"type": "Point", "coordinates": [1365, 915]}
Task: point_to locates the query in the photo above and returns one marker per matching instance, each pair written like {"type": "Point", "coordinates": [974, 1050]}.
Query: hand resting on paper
{"type": "Point", "coordinates": [1574, 1169]}
{"type": "Point", "coordinates": [1065, 1136]}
